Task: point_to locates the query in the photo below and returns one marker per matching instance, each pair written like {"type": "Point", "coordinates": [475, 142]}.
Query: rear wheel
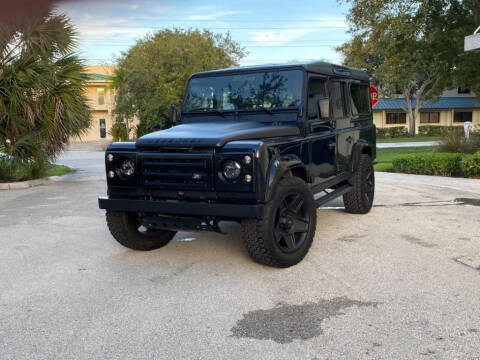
{"type": "Point", "coordinates": [126, 228]}
{"type": "Point", "coordinates": [359, 200]}
{"type": "Point", "coordinates": [284, 236]}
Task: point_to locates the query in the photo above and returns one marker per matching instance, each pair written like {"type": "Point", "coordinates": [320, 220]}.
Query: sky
{"type": "Point", "coordinates": [271, 31]}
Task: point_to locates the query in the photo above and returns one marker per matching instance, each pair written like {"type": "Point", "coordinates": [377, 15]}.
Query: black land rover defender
{"type": "Point", "coordinates": [264, 146]}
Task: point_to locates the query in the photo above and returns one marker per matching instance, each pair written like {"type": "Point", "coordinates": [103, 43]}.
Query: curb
{"type": "Point", "coordinates": [19, 185]}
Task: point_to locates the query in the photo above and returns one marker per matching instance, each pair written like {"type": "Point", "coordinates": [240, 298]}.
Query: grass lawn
{"type": "Point", "coordinates": [385, 156]}
{"type": "Point", "coordinates": [9, 174]}
{"type": "Point", "coordinates": [58, 170]}
{"type": "Point", "coordinates": [408, 139]}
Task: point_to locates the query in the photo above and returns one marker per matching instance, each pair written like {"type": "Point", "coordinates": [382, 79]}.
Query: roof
{"type": "Point", "coordinates": [99, 77]}
{"type": "Point", "coordinates": [319, 67]}
{"type": "Point", "coordinates": [442, 103]}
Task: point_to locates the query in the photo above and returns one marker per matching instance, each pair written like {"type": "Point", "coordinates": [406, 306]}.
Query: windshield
{"type": "Point", "coordinates": [250, 91]}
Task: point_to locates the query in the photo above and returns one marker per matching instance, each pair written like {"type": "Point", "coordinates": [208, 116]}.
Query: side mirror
{"type": "Point", "coordinates": [323, 106]}
{"type": "Point", "coordinates": [173, 114]}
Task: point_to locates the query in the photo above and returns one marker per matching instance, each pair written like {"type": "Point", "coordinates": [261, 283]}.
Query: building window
{"type": "Point", "coordinates": [463, 91]}
{"type": "Point", "coordinates": [462, 116]}
{"type": "Point", "coordinates": [101, 96]}
{"type": "Point", "coordinates": [429, 117]}
{"type": "Point", "coordinates": [396, 118]}
{"type": "Point", "coordinates": [103, 128]}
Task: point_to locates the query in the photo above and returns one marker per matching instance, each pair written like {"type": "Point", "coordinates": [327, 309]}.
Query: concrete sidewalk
{"type": "Point", "coordinates": [407, 144]}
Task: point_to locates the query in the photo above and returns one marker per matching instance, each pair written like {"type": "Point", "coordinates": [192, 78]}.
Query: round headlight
{"type": "Point", "coordinates": [127, 167]}
{"type": "Point", "coordinates": [231, 169]}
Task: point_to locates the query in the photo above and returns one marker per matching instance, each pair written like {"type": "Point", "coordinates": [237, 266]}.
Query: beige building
{"type": "Point", "coordinates": [101, 100]}
{"type": "Point", "coordinates": [453, 108]}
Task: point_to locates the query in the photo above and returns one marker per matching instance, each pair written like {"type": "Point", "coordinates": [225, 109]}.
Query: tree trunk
{"type": "Point", "coordinates": [411, 116]}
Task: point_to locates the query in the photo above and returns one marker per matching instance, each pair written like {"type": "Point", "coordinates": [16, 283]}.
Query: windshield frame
{"type": "Point", "coordinates": [240, 71]}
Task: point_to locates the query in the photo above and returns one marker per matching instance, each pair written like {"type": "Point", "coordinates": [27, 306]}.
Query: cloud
{"type": "Point", "coordinates": [280, 37]}
{"type": "Point", "coordinates": [288, 34]}
{"type": "Point", "coordinates": [212, 16]}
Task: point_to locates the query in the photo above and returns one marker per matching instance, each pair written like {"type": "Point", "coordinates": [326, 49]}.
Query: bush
{"type": "Point", "coordinates": [443, 164]}
{"type": "Point", "coordinates": [453, 141]}
{"type": "Point", "coordinates": [471, 165]}
{"type": "Point", "coordinates": [11, 170]}
{"type": "Point", "coordinates": [391, 132]}
{"type": "Point", "coordinates": [119, 131]}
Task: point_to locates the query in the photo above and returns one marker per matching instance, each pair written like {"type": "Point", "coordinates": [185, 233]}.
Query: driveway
{"type": "Point", "coordinates": [401, 282]}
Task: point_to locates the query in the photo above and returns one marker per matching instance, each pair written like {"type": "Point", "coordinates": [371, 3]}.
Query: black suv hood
{"type": "Point", "coordinates": [214, 134]}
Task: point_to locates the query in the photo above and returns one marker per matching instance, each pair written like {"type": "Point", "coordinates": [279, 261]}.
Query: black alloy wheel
{"type": "Point", "coordinates": [291, 223]}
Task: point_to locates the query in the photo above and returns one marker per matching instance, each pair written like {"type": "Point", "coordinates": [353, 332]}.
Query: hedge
{"type": "Point", "coordinates": [441, 164]}
{"type": "Point", "coordinates": [391, 132]}
{"type": "Point", "coordinates": [440, 130]}
{"type": "Point", "coordinates": [471, 165]}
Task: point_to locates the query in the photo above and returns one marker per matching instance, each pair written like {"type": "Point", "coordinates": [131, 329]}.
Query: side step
{"type": "Point", "coordinates": [333, 194]}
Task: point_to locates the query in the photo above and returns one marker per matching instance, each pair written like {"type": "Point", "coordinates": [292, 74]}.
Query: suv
{"type": "Point", "coordinates": [264, 146]}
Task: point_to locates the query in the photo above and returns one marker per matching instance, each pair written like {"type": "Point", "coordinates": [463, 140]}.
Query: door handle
{"type": "Point", "coordinates": [332, 145]}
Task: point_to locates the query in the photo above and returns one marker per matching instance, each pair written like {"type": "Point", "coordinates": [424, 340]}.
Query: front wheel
{"type": "Point", "coordinates": [285, 234]}
{"type": "Point", "coordinates": [125, 227]}
{"type": "Point", "coordinates": [359, 200]}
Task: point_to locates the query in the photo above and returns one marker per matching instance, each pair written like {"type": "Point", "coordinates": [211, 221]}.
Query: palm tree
{"type": "Point", "coordinates": [42, 97]}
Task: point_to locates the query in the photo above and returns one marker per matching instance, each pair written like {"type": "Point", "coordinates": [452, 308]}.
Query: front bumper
{"type": "Point", "coordinates": [239, 211]}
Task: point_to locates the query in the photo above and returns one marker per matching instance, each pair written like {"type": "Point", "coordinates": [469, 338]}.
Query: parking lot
{"type": "Point", "coordinates": [401, 282]}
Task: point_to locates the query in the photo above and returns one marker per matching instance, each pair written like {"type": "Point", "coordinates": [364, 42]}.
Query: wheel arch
{"type": "Point", "coordinates": [360, 147]}
{"type": "Point", "coordinates": [281, 167]}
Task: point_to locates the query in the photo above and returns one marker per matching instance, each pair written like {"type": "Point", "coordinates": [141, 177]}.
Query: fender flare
{"type": "Point", "coordinates": [360, 147]}
{"type": "Point", "coordinates": [278, 168]}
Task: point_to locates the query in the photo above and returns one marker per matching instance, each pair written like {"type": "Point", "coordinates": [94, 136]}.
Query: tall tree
{"type": "Point", "coordinates": [409, 47]}
{"type": "Point", "coordinates": [42, 98]}
{"type": "Point", "coordinates": [152, 74]}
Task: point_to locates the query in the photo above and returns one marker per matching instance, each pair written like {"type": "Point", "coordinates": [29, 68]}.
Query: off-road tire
{"type": "Point", "coordinates": [124, 228]}
{"type": "Point", "coordinates": [359, 200]}
{"type": "Point", "coordinates": [258, 235]}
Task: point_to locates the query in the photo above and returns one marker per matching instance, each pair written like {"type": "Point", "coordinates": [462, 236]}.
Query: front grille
{"type": "Point", "coordinates": [177, 171]}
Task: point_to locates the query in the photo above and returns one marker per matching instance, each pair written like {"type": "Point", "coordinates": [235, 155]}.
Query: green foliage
{"type": "Point", "coordinates": [21, 170]}
{"type": "Point", "coordinates": [119, 131]}
{"type": "Point", "coordinates": [431, 130]}
{"type": "Point", "coordinates": [441, 164]}
{"type": "Point", "coordinates": [42, 98]}
{"type": "Point", "coordinates": [471, 165]}
{"type": "Point", "coordinates": [152, 75]}
{"type": "Point", "coordinates": [385, 156]}
{"type": "Point", "coordinates": [391, 132]}
{"type": "Point", "coordinates": [453, 140]}
{"type": "Point", "coordinates": [413, 47]}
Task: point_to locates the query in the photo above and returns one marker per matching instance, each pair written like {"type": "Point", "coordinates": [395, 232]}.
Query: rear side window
{"type": "Point", "coordinates": [360, 95]}
{"type": "Point", "coordinates": [316, 91]}
{"type": "Point", "coordinates": [337, 103]}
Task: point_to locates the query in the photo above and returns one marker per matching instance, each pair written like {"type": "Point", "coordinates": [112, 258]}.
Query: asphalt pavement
{"type": "Point", "coordinates": [402, 282]}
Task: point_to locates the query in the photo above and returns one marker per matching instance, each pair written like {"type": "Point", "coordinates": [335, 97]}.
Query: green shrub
{"type": "Point", "coordinates": [471, 165]}
{"type": "Point", "coordinates": [438, 130]}
{"type": "Point", "coordinates": [119, 131]}
{"type": "Point", "coordinates": [453, 141]}
{"type": "Point", "coordinates": [391, 132]}
{"type": "Point", "coordinates": [443, 164]}
{"type": "Point", "coordinates": [24, 170]}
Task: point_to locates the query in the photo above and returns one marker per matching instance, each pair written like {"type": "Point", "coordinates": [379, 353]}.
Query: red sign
{"type": "Point", "coordinates": [373, 95]}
